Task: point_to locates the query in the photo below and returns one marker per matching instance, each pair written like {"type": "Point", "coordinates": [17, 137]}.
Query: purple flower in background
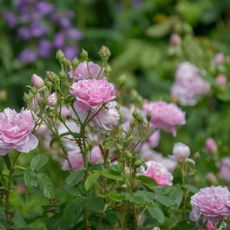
{"type": "Point", "coordinates": [10, 19]}
{"type": "Point", "coordinates": [32, 20]}
{"type": "Point", "coordinates": [45, 8]}
{"type": "Point", "coordinates": [70, 52]}
{"type": "Point", "coordinates": [45, 48]}
{"type": "Point", "coordinates": [27, 55]}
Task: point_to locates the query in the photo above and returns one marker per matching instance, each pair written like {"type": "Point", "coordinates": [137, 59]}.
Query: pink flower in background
{"type": "Point", "coordinates": [147, 154]}
{"type": "Point", "coordinates": [166, 116]}
{"type": "Point", "coordinates": [210, 145]}
{"type": "Point", "coordinates": [154, 139]}
{"type": "Point", "coordinates": [92, 93]}
{"type": "Point", "coordinates": [75, 159]}
{"type": "Point", "coordinates": [219, 59]}
{"type": "Point", "coordinates": [87, 70]}
{"type": "Point", "coordinates": [221, 80]}
{"type": "Point", "coordinates": [107, 118]}
{"type": "Point", "coordinates": [211, 202]}
{"type": "Point", "coordinates": [95, 155]}
{"type": "Point", "coordinates": [210, 226]}
{"type": "Point", "coordinates": [175, 40]}
{"type": "Point", "coordinates": [189, 85]}
{"type": "Point", "coordinates": [16, 131]}
{"type": "Point", "coordinates": [181, 152]}
{"type": "Point", "coordinates": [225, 169]}
{"type": "Point", "coordinates": [157, 172]}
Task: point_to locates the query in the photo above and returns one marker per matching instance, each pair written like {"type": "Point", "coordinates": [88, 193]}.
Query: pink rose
{"type": "Point", "coordinates": [221, 80]}
{"type": "Point", "coordinates": [16, 131]}
{"type": "Point", "coordinates": [87, 70]}
{"type": "Point", "coordinates": [166, 116]}
{"type": "Point", "coordinates": [107, 118]}
{"type": "Point", "coordinates": [225, 169]}
{"type": "Point", "coordinates": [95, 155]}
{"type": "Point", "coordinates": [75, 159]}
{"type": "Point", "coordinates": [158, 172]}
{"type": "Point", "coordinates": [210, 145]}
{"type": "Point", "coordinates": [189, 86]}
{"type": "Point", "coordinates": [92, 93]}
{"type": "Point", "coordinates": [154, 139]}
{"type": "Point", "coordinates": [211, 202]}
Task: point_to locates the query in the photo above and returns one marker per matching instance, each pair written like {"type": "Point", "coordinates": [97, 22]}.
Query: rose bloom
{"type": "Point", "coordinates": [189, 86]}
{"type": "Point", "coordinates": [108, 117]}
{"type": "Point", "coordinates": [92, 93]}
{"type": "Point", "coordinates": [16, 131]}
{"type": "Point", "coordinates": [165, 116]}
{"type": "Point", "coordinates": [157, 172]}
{"type": "Point", "coordinates": [75, 159]}
{"type": "Point", "coordinates": [225, 169]}
{"type": "Point", "coordinates": [211, 202]}
{"type": "Point", "coordinates": [154, 139]}
{"type": "Point", "coordinates": [87, 70]}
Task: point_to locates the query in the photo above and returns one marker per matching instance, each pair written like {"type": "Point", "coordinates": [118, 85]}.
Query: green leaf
{"type": "Point", "coordinates": [95, 204]}
{"type": "Point", "coordinates": [159, 30]}
{"type": "Point", "coordinates": [38, 162]}
{"type": "Point", "coordinates": [7, 161]}
{"type": "Point", "coordinates": [157, 214]}
{"type": "Point", "coordinates": [46, 185]}
{"type": "Point", "coordinates": [166, 201]}
{"type": "Point", "coordinates": [74, 178]}
{"type": "Point", "coordinates": [30, 179]}
{"type": "Point", "coordinates": [72, 209]}
{"type": "Point", "coordinates": [191, 188]}
{"type": "Point", "coordinates": [116, 196]}
{"type": "Point", "coordinates": [150, 183]}
{"type": "Point", "coordinates": [18, 221]}
{"type": "Point", "coordinates": [176, 194]}
{"type": "Point", "coordinates": [108, 173]}
{"type": "Point", "coordinates": [107, 144]}
{"type": "Point", "coordinates": [91, 180]}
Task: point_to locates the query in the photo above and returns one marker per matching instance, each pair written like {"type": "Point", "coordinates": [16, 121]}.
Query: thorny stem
{"type": "Point", "coordinates": [7, 194]}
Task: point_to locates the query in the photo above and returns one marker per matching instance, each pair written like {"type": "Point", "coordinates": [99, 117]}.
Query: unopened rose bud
{"type": "Point", "coordinates": [211, 178]}
{"type": "Point", "coordinates": [75, 63]}
{"type": "Point", "coordinates": [52, 99]}
{"type": "Point", "coordinates": [210, 226]}
{"type": "Point", "coordinates": [60, 55]}
{"type": "Point", "coordinates": [65, 111]}
{"type": "Point", "coordinates": [84, 54]}
{"type": "Point", "coordinates": [175, 40]}
{"type": "Point", "coordinates": [149, 117]}
{"type": "Point", "coordinates": [104, 52]}
{"type": "Point", "coordinates": [137, 116]}
{"type": "Point", "coordinates": [37, 81]}
{"type": "Point", "coordinates": [219, 59]}
{"type": "Point", "coordinates": [3, 95]}
{"type": "Point", "coordinates": [221, 80]}
{"type": "Point", "coordinates": [95, 156]}
{"type": "Point", "coordinates": [181, 151]}
{"type": "Point", "coordinates": [210, 145]}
